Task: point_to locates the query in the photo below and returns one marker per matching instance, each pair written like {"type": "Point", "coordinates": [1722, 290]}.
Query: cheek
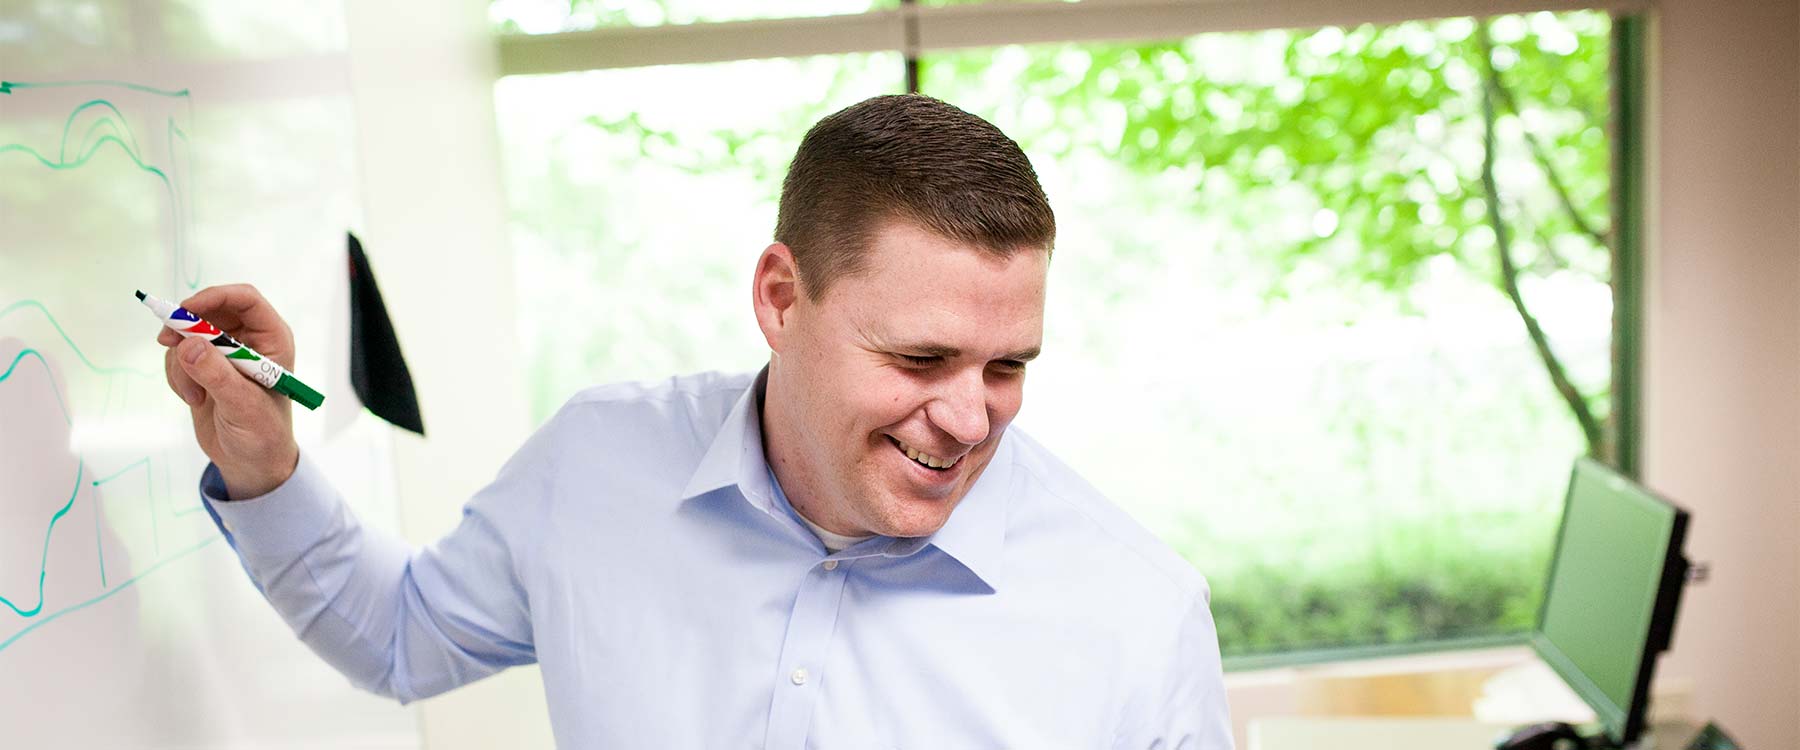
{"type": "Point", "coordinates": [887, 397]}
{"type": "Point", "coordinates": [1004, 401]}
{"type": "Point", "coordinates": [895, 396]}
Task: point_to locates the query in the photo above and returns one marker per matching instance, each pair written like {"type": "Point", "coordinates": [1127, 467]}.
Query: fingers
{"type": "Point", "coordinates": [238, 309]}
{"type": "Point", "coordinates": [208, 369]}
{"type": "Point", "coordinates": [179, 382]}
{"type": "Point", "coordinates": [167, 337]}
{"type": "Point", "coordinates": [241, 310]}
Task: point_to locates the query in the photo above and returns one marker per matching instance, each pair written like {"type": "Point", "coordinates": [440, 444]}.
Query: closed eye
{"type": "Point", "coordinates": [918, 361]}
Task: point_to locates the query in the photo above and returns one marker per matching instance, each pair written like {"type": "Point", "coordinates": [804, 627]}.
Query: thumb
{"type": "Point", "coordinates": [207, 367]}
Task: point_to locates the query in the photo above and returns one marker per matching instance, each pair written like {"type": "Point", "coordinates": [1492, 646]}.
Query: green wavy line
{"type": "Point", "coordinates": [44, 562]}
{"type": "Point", "coordinates": [62, 148]}
{"type": "Point", "coordinates": [39, 306]}
{"type": "Point", "coordinates": [89, 154]}
{"type": "Point", "coordinates": [178, 206]}
{"type": "Point", "coordinates": [53, 389]}
{"type": "Point", "coordinates": [80, 468]}
{"type": "Point", "coordinates": [96, 600]}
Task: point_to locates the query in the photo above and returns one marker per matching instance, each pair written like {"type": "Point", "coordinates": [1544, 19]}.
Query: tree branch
{"type": "Point", "coordinates": [1509, 273]}
{"type": "Point", "coordinates": [1549, 260]}
{"type": "Point", "coordinates": [1542, 156]}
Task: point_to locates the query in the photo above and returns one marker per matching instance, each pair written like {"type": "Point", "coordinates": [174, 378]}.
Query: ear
{"type": "Point", "coordinates": [774, 291]}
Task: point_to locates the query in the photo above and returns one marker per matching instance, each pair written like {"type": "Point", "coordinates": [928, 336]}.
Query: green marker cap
{"type": "Point", "coordinates": [291, 387]}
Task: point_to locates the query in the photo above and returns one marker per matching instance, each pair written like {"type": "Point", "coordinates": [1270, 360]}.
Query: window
{"type": "Point", "coordinates": [1280, 330]}
{"type": "Point", "coordinates": [637, 215]}
{"type": "Point", "coordinates": [1276, 333]}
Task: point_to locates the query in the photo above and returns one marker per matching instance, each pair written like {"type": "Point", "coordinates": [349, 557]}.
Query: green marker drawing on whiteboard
{"type": "Point", "coordinates": [260, 369]}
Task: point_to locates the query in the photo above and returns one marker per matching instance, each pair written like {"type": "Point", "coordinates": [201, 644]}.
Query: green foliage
{"type": "Point", "coordinates": [1380, 125]}
{"type": "Point", "coordinates": [1432, 581]}
{"type": "Point", "coordinates": [1375, 131]}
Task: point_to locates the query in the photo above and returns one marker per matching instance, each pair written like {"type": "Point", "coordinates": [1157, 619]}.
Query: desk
{"type": "Point", "coordinates": [1389, 733]}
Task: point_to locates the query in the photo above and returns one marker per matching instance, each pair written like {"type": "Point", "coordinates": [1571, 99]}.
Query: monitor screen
{"type": "Point", "coordinates": [1609, 605]}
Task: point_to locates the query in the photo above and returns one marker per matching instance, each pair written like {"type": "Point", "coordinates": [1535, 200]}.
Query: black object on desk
{"type": "Point", "coordinates": [1713, 738]}
{"type": "Point", "coordinates": [1553, 735]}
{"type": "Point", "coordinates": [1556, 735]}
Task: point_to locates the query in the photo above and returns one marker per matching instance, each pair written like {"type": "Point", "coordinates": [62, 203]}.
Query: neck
{"type": "Point", "coordinates": [786, 454]}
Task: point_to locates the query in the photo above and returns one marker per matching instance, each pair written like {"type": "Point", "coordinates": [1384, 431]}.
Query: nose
{"type": "Point", "coordinates": [960, 408]}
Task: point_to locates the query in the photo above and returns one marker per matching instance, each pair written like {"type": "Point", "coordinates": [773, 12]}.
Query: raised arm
{"type": "Point", "coordinates": [398, 620]}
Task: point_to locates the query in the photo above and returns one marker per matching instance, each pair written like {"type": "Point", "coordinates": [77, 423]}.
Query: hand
{"type": "Point", "coordinates": [246, 429]}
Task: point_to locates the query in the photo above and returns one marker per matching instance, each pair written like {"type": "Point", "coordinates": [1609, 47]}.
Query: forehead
{"type": "Point", "coordinates": [918, 287]}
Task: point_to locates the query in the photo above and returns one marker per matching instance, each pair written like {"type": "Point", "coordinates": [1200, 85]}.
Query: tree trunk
{"type": "Point", "coordinates": [1509, 272]}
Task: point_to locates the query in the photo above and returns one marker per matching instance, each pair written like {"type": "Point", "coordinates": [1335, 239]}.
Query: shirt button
{"type": "Point", "coordinates": [831, 565]}
{"type": "Point", "coordinates": [799, 676]}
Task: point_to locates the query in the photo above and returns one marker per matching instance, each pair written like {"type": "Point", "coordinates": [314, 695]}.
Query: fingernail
{"type": "Point", "coordinates": [193, 351]}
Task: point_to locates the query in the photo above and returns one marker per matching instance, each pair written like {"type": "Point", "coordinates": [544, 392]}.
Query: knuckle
{"type": "Point", "coordinates": [246, 291]}
{"type": "Point", "coordinates": [198, 299]}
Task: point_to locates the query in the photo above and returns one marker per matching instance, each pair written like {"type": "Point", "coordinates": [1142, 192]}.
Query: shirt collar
{"type": "Point", "coordinates": [976, 531]}
{"type": "Point", "coordinates": [736, 454]}
{"type": "Point", "coordinates": [973, 536]}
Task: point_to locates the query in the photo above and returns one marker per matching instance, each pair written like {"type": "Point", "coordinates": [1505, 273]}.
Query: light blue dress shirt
{"type": "Point", "coordinates": [637, 548]}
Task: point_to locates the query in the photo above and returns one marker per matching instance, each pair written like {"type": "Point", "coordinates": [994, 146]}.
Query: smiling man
{"type": "Point", "coordinates": [849, 549]}
{"type": "Point", "coordinates": [890, 389]}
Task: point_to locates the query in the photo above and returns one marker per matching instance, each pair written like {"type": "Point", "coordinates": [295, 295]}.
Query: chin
{"type": "Point", "coordinates": [915, 530]}
{"type": "Point", "coordinates": [924, 520]}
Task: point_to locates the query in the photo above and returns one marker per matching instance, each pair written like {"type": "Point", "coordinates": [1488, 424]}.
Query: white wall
{"type": "Point", "coordinates": [422, 73]}
{"type": "Point", "coordinates": [1722, 369]}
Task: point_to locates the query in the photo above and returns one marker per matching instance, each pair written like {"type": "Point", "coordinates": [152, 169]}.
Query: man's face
{"type": "Point", "coordinates": [888, 396]}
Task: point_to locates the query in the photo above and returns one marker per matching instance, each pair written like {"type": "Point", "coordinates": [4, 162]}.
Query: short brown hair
{"type": "Point", "coordinates": [910, 158]}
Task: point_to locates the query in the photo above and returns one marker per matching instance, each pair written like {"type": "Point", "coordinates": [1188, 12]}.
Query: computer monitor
{"type": "Point", "coordinates": [1609, 606]}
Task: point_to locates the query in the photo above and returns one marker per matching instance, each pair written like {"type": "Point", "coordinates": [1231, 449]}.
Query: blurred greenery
{"type": "Point", "coordinates": [1277, 275]}
{"type": "Point", "coordinates": [1425, 585]}
{"type": "Point", "coordinates": [1379, 126]}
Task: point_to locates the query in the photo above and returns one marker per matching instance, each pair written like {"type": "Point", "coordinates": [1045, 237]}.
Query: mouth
{"type": "Point", "coordinates": [925, 460]}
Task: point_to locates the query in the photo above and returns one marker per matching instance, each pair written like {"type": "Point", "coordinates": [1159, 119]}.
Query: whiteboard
{"type": "Point", "coordinates": [164, 147]}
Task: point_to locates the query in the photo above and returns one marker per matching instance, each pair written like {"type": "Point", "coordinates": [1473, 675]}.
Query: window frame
{"type": "Point", "coordinates": [984, 24]}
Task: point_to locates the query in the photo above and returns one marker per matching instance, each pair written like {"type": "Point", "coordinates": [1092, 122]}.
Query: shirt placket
{"type": "Point", "coordinates": [803, 650]}
{"type": "Point", "coordinates": [810, 629]}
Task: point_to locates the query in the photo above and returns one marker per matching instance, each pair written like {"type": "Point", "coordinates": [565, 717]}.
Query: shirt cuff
{"type": "Point", "coordinates": [279, 525]}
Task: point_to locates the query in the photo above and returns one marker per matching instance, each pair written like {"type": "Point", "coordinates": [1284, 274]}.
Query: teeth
{"type": "Point", "coordinates": [931, 461]}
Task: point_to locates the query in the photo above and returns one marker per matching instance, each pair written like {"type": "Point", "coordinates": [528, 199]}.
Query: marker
{"type": "Point", "coordinates": [260, 369]}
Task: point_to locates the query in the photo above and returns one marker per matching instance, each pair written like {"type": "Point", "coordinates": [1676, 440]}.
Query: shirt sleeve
{"type": "Point", "coordinates": [1184, 708]}
{"type": "Point", "coordinates": [400, 621]}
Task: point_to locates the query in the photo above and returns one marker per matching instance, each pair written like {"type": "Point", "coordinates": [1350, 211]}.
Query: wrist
{"type": "Point", "coordinates": [245, 482]}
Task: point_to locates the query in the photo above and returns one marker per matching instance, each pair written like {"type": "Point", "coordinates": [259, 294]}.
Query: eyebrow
{"type": "Point", "coordinates": [951, 352]}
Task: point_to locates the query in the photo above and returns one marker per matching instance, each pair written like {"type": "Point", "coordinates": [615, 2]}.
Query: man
{"type": "Point", "coordinates": [850, 549]}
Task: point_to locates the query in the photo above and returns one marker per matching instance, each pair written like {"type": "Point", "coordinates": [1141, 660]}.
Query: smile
{"type": "Point", "coordinates": [923, 459]}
